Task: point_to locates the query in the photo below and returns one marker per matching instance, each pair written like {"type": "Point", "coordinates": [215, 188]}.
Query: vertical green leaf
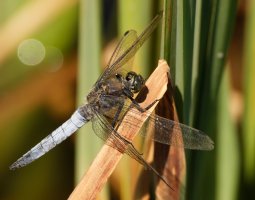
{"type": "Point", "coordinates": [137, 15]}
{"type": "Point", "coordinates": [181, 54]}
{"type": "Point", "coordinates": [166, 31]}
{"type": "Point", "coordinates": [195, 59]}
{"type": "Point", "coordinates": [249, 95]}
{"type": "Point", "coordinates": [179, 51]}
{"type": "Point", "coordinates": [87, 144]}
{"type": "Point", "coordinates": [218, 34]}
{"type": "Point", "coordinates": [130, 17]}
{"type": "Point", "coordinates": [227, 170]}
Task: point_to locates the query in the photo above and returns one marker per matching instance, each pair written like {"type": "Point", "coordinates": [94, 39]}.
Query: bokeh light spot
{"type": "Point", "coordinates": [31, 52]}
{"type": "Point", "coordinates": [54, 58]}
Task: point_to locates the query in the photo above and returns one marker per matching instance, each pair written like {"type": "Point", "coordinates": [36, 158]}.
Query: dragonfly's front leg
{"type": "Point", "coordinates": [115, 119]}
{"type": "Point", "coordinates": [117, 114]}
{"type": "Point", "coordinates": [141, 109]}
{"type": "Point", "coordinates": [129, 94]}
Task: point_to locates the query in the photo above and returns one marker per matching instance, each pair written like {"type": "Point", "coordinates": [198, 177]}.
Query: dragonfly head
{"type": "Point", "coordinates": [135, 81]}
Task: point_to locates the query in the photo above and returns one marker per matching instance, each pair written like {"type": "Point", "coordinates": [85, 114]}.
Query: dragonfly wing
{"type": "Point", "coordinates": [173, 133]}
{"type": "Point", "coordinates": [167, 131]}
{"type": "Point", "coordinates": [128, 47]}
{"type": "Point", "coordinates": [125, 43]}
{"type": "Point", "coordinates": [179, 135]}
{"type": "Point", "coordinates": [49, 142]}
{"type": "Point", "coordinates": [107, 133]}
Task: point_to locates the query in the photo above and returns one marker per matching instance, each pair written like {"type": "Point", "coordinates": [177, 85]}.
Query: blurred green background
{"type": "Point", "coordinates": [51, 53]}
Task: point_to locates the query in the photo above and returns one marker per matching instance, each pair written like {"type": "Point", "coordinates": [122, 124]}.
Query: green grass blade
{"type": "Point", "coordinates": [211, 23]}
{"type": "Point", "coordinates": [130, 17]}
{"type": "Point", "coordinates": [179, 51]}
{"type": "Point", "coordinates": [249, 95]}
{"type": "Point", "coordinates": [227, 170]}
{"type": "Point", "coordinates": [181, 54]}
{"type": "Point", "coordinates": [87, 144]}
{"type": "Point", "coordinates": [195, 59]}
{"type": "Point", "coordinates": [166, 31]}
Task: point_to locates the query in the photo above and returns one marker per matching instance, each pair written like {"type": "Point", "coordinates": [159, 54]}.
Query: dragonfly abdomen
{"type": "Point", "coordinates": [60, 134]}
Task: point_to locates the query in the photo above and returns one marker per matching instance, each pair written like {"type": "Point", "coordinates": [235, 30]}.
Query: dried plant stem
{"type": "Point", "coordinates": [107, 159]}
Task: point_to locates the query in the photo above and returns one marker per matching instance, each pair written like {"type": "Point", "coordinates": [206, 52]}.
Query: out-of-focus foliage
{"type": "Point", "coordinates": [35, 99]}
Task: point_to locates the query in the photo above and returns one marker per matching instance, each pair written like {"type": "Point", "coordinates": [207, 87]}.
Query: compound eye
{"type": "Point", "coordinates": [130, 76]}
{"type": "Point", "coordinates": [141, 80]}
{"type": "Point", "coordinates": [138, 83]}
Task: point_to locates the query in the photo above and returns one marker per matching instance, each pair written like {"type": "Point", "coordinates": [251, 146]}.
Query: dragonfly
{"type": "Point", "coordinates": [107, 102]}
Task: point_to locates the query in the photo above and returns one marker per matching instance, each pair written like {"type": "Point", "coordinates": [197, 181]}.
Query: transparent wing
{"type": "Point", "coordinates": [127, 48]}
{"type": "Point", "coordinates": [107, 133]}
{"type": "Point", "coordinates": [125, 43]}
{"type": "Point", "coordinates": [167, 131]}
{"type": "Point", "coordinates": [179, 135]}
{"type": "Point", "coordinates": [173, 133]}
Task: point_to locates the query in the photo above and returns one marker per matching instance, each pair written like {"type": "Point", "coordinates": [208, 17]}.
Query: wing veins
{"type": "Point", "coordinates": [130, 52]}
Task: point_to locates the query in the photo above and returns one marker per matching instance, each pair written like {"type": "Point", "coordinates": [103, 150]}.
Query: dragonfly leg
{"type": "Point", "coordinates": [152, 104]}
{"type": "Point", "coordinates": [117, 114]}
{"type": "Point", "coordinates": [139, 107]}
